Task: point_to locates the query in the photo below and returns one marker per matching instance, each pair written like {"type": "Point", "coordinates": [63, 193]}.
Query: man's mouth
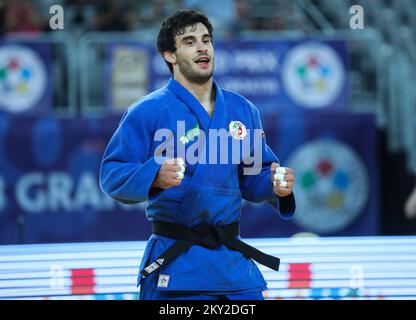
{"type": "Point", "coordinates": [203, 61]}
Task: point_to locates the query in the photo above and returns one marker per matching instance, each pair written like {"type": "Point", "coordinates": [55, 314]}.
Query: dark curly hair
{"type": "Point", "coordinates": [175, 25]}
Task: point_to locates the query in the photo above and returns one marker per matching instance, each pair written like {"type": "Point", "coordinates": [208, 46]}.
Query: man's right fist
{"type": "Point", "coordinates": [170, 174]}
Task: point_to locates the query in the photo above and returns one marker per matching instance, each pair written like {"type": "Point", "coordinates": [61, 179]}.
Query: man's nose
{"type": "Point", "coordinates": [202, 47]}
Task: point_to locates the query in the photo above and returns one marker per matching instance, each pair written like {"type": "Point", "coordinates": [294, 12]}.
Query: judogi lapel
{"type": "Point", "coordinates": [190, 205]}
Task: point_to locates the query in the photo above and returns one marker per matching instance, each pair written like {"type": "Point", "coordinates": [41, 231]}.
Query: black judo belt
{"type": "Point", "coordinates": [208, 236]}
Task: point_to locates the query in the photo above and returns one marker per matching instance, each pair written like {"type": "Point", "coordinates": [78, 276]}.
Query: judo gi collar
{"type": "Point", "coordinates": [216, 122]}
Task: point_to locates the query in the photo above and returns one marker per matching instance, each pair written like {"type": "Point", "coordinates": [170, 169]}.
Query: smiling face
{"type": "Point", "coordinates": [194, 55]}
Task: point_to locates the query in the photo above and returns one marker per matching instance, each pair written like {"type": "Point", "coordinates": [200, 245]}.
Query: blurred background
{"type": "Point", "coordinates": [334, 81]}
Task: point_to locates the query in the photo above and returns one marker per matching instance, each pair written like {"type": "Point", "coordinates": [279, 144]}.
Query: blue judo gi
{"type": "Point", "coordinates": [208, 193]}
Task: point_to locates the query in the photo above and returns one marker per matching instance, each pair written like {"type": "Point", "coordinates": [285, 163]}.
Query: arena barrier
{"type": "Point", "coordinates": [311, 268]}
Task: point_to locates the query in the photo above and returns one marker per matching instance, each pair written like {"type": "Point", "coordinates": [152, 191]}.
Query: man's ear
{"type": "Point", "coordinates": [169, 57]}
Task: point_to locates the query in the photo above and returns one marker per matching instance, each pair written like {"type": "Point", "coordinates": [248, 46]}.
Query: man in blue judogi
{"type": "Point", "coordinates": [164, 152]}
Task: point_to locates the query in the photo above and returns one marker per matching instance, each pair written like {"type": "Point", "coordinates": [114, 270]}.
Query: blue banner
{"type": "Point", "coordinates": [336, 167]}
{"type": "Point", "coordinates": [293, 76]}
{"type": "Point", "coordinates": [49, 189]}
{"type": "Point", "coordinates": [296, 76]}
{"type": "Point", "coordinates": [25, 78]}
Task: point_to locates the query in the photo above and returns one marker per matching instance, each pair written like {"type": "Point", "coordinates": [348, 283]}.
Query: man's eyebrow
{"type": "Point", "coordinates": [188, 38]}
{"type": "Point", "coordinates": [206, 35]}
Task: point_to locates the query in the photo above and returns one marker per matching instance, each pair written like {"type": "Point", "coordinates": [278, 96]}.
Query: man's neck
{"type": "Point", "coordinates": [204, 92]}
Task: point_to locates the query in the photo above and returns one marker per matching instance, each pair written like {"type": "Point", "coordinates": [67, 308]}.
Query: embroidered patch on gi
{"type": "Point", "coordinates": [190, 134]}
{"type": "Point", "coordinates": [163, 281]}
{"type": "Point", "coordinates": [238, 130]}
{"type": "Point", "coordinates": [152, 267]}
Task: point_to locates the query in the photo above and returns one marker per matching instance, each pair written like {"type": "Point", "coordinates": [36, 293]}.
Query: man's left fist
{"type": "Point", "coordinates": [283, 180]}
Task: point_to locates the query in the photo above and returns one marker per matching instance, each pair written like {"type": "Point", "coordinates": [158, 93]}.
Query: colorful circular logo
{"type": "Point", "coordinates": [331, 186]}
{"type": "Point", "coordinates": [238, 130]}
{"type": "Point", "coordinates": [22, 78]}
{"type": "Point", "coordinates": [313, 75]}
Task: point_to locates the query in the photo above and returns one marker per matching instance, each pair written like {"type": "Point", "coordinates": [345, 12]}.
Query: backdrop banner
{"type": "Point", "coordinates": [49, 189]}
{"type": "Point", "coordinates": [335, 162]}
{"type": "Point", "coordinates": [296, 76]}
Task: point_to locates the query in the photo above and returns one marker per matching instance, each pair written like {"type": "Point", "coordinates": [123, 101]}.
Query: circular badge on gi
{"type": "Point", "coordinates": [238, 130]}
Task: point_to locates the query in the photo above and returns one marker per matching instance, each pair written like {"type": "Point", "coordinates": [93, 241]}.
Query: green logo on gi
{"type": "Point", "coordinates": [238, 130]}
{"type": "Point", "coordinates": [190, 134]}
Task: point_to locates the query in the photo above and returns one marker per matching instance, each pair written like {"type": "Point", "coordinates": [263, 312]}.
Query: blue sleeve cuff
{"type": "Point", "coordinates": [285, 206]}
{"type": "Point", "coordinates": [151, 167]}
{"type": "Point", "coordinates": [129, 183]}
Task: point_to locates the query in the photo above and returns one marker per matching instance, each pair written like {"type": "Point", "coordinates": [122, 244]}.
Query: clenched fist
{"type": "Point", "coordinates": [283, 180]}
{"type": "Point", "coordinates": [170, 174]}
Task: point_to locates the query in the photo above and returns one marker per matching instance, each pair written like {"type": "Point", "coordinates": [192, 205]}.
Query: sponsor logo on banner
{"type": "Point", "coordinates": [22, 78]}
{"type": "Point", "coordinates": [332, 186]}
{"type": "Point", "coordinates": [313, 75]}
{"type": "Point", "coordinates": [129, 76]}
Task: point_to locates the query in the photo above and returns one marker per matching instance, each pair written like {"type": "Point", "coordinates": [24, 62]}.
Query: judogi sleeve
{"type": "Point", "coordinates": [259, 188]}
{"type": "Point", "coordinates": [128, 167]}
